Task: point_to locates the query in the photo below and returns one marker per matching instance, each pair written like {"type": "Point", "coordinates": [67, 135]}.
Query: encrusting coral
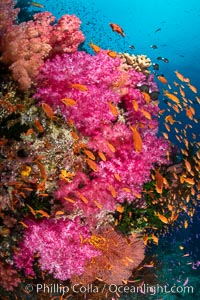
{"type": "Point", "coordinates": [140, 63]}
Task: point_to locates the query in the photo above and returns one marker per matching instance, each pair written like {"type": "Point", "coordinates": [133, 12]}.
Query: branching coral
{"type": "Point", "coordinates": [25, 46]}
{"type": "Point", "coordinates": [58, 244]}
{"type": "Point", "coordinates": [119, 257]}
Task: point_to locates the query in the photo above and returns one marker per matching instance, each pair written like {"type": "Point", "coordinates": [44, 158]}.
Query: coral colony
{"type": "Point", "coordinates": [79, 148]}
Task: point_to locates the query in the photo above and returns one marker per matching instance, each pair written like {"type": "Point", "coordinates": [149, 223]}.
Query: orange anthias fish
{"type": "Point", "coordinates": [159, 182]}
{"type": "Point", "coordinates": [193, 88]}
{"type": "Point", "coordinates": [136, 139]}
{"type": "Point", "coordinates": [112, 54]}
{"type": "Point", "coordinates": [162, 79]}
{"type": "Point", "coordinates": [68, 101]}
{"type": "Point", "coordinates": [117, 29]}
{"type": "Point", "coordinates": [163, 219]}
{"type": "Point", "coordinates": [92, 165]}
{"type": "Point", "coordinates": [80, 87]}
{"type": "Point", "coordinates": [95, 48]}
{"type": "Point", "coordinates": [181, 77]}
{"type": "Point", "coordinates": [172, 97]}
{"type": "Point", "coordinates": [48, 111]}
{"type": "Point", "coordinates": [113, 109]}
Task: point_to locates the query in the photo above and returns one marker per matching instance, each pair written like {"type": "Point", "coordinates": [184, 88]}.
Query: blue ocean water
{"type": "Point", "coordinates": [174, 27]}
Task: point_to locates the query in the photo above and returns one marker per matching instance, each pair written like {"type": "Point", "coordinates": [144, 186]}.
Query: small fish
{"type": "Point", "coordinates": [113, 109]}
{"type": "Point", "coordinates": [43, 213]}
{"type": "Point", "coordinates": [42, 169]}
{"type": "Point", "coordinates": [147, 97]}
{"type": "Point", "coordinates": [31, 209]}
{"type": "Point", "coordinates": [154, 47]}
{"type": "Point", "coordinates": [189, 181]}
{"type": "Point", "coordinates": [74, 135]}
{"type": "Point", "coordinates": [36, 4]}
{"type": "Point", "coordinates": [162, 79]}
{"type": "Point", "coordinates": [68, 101]}
{"type": "Point", "coordinates": [146, 114]}
{"type": "Point", "coordinates": [117, 177]}
{"type": "Point", "coordinates": [165, 135]}
{"type": "Point", "coordinates": [112, 190]}
{"type": "Point", "coordinates": [25, 226]}
{"type": "Point", "coordinates": [102, 155]}
{"type": "Point", "coordinates": [39, 126]}
{"type": "Point", "coordinates": [95, 48]}
{"type": "Point", "coordinates": [192, 88]}
{"type": "Point", "coordinates": [188, 166]}
{"type": "Point", "coordinates": [159, 182]}
{"type": "Point", "coordinates": [163, 219]}
{"type": "Point", "coordinates": [69, 200]}
{"type": "Point", "coordinates": [181, 77]}
{"type": "Point", "coordinates": [156, 67]}
{"type": "Point", "coordinates": [117, 29]}
{"type": "Point", "coordinates": [170, 119]}
{"type": "Point", "coordinates": [29, 132]}
{"type": "Point", "coordinates": [89, 154]}
{"type": "Point", "coordinates": [166, 60]}
{"type": "Point", "coordinates": [172, 97]}
{"type": "Point", "coordinates": [120, 208]}
{"type": "Point", "coordinates": [137, 140]}
{"type": "Point", "coordinates": [92, 165]}
{"type": "Point", "coordinates": [80, 87]}
{"type": "Point", "coordinates": [98, 204]}
{"type": "Point", "coordinates": [190, 112]}
{"type": "Point", "coordinates": [111, 147]}
{"type": "Point", "coordinates": [185, 224]}
{"type": "Point", "coordinates": [126, 189]}
{"type": "Point", "coordinates": [135, 105]}
{"type": "Point", "coordinates": [48, 111]}
{"type": "Point", "coordinates": [83, 198]}
{"type": "Point", "coordinates": [112, 54]}
{"type": "Point", "coordinates": [59, 213]}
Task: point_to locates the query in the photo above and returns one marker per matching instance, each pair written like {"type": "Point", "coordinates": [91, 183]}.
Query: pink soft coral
{"type": "Point", "coordinates": [103, 113]}
{"type": "Point", "coordinates": [58, 244]}
{"type": "Point", "coordinates": [25, 46]}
